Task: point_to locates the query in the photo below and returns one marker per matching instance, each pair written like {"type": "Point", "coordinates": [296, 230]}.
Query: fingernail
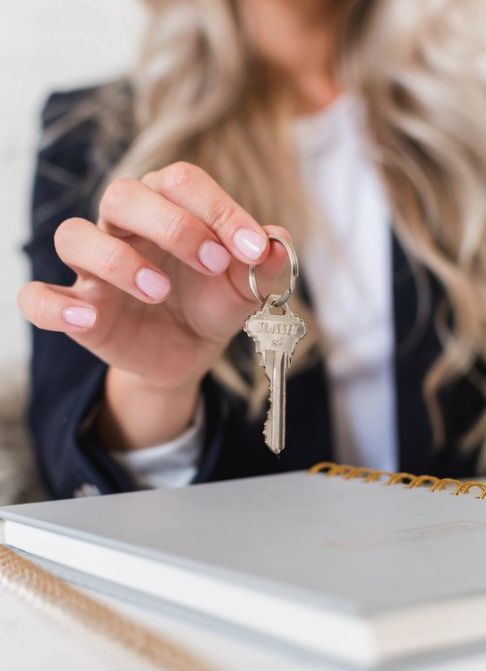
{"type": "Point", "coordinates": [152, 284]}
{"type": "Point", "coordinates": [214, 256]}
{"type": "Point", "coordinates": [249, 243]}
{"type": "Point", "coordinates": [79, 316]}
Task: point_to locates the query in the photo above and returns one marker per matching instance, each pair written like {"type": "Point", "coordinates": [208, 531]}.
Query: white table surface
{"type": "Point", "coordinates": [31, 641]}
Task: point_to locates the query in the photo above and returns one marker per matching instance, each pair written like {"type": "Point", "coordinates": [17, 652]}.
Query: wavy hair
{"type": "Point", "coordinates": [201, 95]}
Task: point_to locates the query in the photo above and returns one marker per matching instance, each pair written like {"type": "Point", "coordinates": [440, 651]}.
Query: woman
{"type": "Point", "coordinates": [355, 126]}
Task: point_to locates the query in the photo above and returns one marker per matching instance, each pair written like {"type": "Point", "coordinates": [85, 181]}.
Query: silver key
{"type": "Point", "coordinates": [275, 337]}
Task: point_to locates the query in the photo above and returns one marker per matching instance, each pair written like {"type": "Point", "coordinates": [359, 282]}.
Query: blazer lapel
{"type": "Point", "coordinates": [416, 347]}
{"type": "Point", "coordinates": [308, 395]}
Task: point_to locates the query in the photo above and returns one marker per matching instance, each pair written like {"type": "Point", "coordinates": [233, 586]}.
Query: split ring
{"type": "Point", "coordinates": [294, 273]}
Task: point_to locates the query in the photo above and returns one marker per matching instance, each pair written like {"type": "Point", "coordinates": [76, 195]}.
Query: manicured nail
{"type": "Point", "coordinates": [249, 243]}
{"type": "Point", "coordinates": [214, 256]}
{"type": "Point", "coordinates": [78, 315]}
{"type": "Point", "coordinates": [152, 284]}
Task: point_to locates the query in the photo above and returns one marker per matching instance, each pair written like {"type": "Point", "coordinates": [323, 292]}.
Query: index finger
{"type": "Point", "coordinates": [193, 189]}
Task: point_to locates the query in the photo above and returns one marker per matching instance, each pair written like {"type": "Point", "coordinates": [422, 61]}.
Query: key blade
{"type": "Point", "coordinates": [274, 428]}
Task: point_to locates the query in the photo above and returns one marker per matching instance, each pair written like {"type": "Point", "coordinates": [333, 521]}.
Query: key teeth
{"type": "Point", "coordinates": [267, 431]}
{"type": "Point", "coordinates": [267, 427]}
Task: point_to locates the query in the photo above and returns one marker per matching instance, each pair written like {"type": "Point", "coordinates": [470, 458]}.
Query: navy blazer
{"type": "Point", "coordinates": [67, 380]}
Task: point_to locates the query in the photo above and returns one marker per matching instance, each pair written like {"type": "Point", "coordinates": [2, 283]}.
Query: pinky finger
{"type": "Point", "coordinates": [51, 309]}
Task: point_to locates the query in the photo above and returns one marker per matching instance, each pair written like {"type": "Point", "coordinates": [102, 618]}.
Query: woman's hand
{"type": "Point", "coordinates": [161, 288]}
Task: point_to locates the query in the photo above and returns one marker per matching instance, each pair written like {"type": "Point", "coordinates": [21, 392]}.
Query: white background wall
{"type": "Point", "coordinates": [45, 45]}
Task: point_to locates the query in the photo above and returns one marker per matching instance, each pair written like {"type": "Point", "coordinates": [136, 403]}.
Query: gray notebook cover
{"type": "Point", "coordinates": [359, 547]}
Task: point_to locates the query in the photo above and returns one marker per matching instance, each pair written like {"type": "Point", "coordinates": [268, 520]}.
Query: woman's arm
{"type": "Point", "coordinates": [135, 415]}
{"type": "Point", "coordinates": [70, 363]}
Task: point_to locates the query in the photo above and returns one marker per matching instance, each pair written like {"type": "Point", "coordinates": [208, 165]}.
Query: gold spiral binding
{"type": "Point", "coordinates": [445, 482]}
{"type": "Point", "coordinates": [411, 481]}
{"type": "Point", "coordinates": [467, 486]}
{"type": "Point", "coordinates": [76, 610]}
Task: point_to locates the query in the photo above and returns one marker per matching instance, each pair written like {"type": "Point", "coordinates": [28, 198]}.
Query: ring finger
{"type": "Point", "coordinates": [89, 250]}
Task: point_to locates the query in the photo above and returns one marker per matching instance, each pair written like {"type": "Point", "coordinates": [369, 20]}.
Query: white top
{"type": "Point", "coordinates": [348, 270]}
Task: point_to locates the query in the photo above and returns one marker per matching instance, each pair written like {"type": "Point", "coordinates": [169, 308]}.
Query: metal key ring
{"type": "Point", "coordinates": [294, 273]}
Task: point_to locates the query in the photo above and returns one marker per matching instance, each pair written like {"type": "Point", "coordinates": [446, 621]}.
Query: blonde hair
{"type": "Point", "coordinates": [201, 95]}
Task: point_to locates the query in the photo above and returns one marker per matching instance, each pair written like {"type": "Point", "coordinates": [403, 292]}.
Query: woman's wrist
{"type": "Point", "coordinates": [135, 414]}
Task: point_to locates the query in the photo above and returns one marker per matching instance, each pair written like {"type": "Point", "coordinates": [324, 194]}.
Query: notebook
{"type": "Point", "coordinates": [347, 567]}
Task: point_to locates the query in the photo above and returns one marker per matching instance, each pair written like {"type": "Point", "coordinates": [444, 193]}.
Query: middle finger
{"type": "Point", "coordinates": [134, 207]}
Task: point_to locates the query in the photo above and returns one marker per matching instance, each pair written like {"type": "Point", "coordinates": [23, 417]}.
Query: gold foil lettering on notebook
{"type": "Point", "coordinates": [412, 535]}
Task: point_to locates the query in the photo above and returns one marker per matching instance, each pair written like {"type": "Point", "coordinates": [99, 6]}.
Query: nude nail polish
{"type": "Point", "coordinates": [81, 316]}
{"type": "Point", "coordinates": [249, 243]}
{"type": "Point", "coordinates": [152, 284]}
{"type": "Point", "coordinates": [214, 256]}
